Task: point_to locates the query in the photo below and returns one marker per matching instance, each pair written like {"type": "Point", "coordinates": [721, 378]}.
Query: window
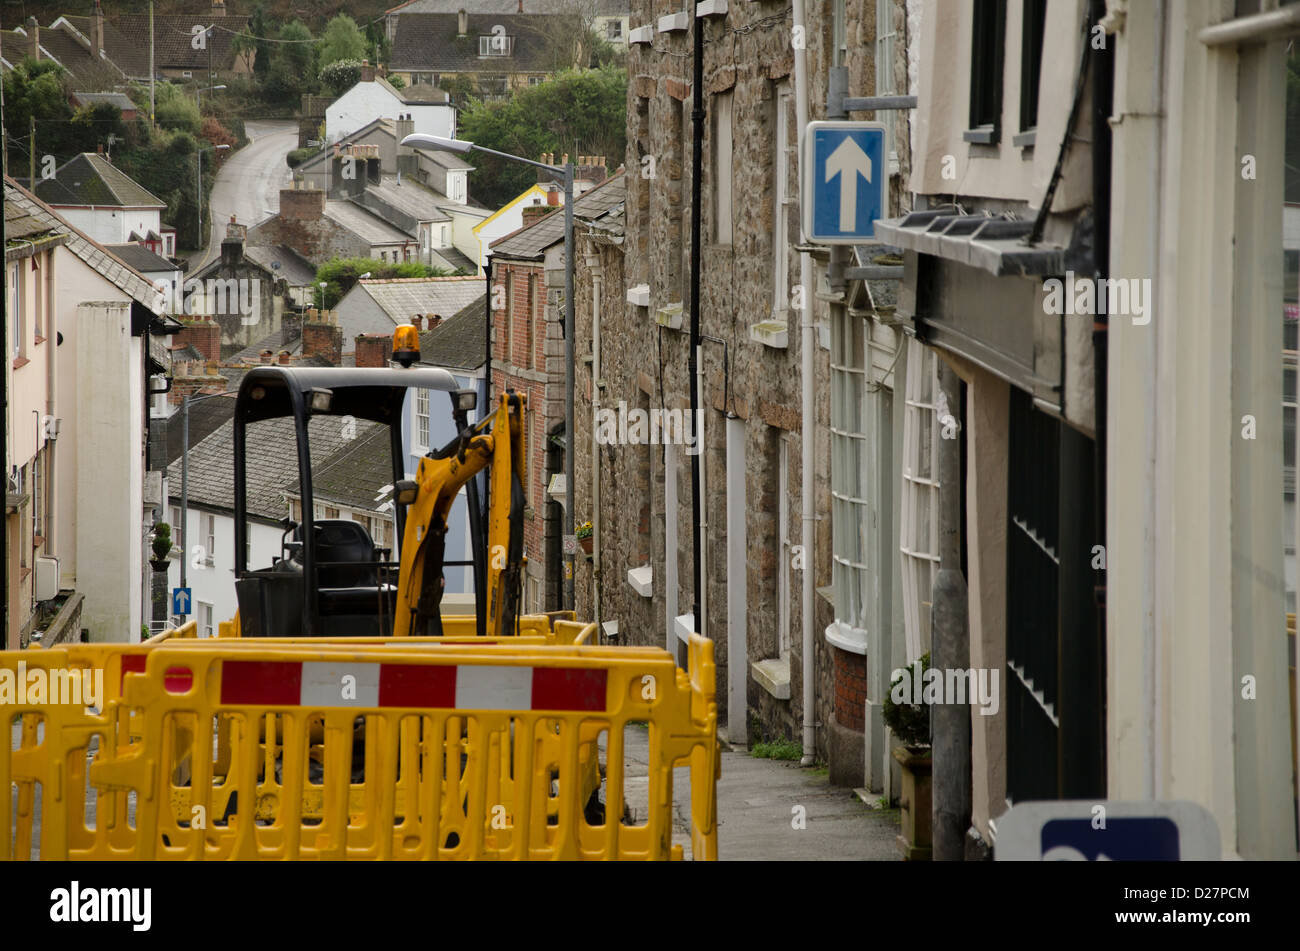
{"type": "Point", "coordinates": [919, 532]}
{"type": "Point", "coordinates": [1031, 61]}
{"type": "Point", "coordinates": [614, 30]}
{"type": "Point", "coordinates": [422, 420]}
{"type": "Point", "coordinates": [205, 620]}
{"type": "Point", "coordinates": [37, 298]}
{"type": "Point", "coordinates": [783, 548]}
{"type": "Point", "coordinates": [498, 44]}
{"type": "Point", "coordinates": [839, 34]}
{"type": "Point", "coordinates": [331, 512]}
{"type": "Point", "coordinates": [986, 71]}
{"type": "Point", "coordinates": [536, 80]}
{"type": "Point", "coordinates": [885, 39]}
{"type": "Point", "coordinates": [178, 528]}
{"type": "Point", "coordinates": [850, 579]}
{"type": "Point", "coordinates": [510, 317]}
{"type": "Point", "coordinates": [16, 308]}
{"type": "Point", "coordinates": [782, 164]}
{"type": "Point", "coordinates": [528, 323]}
{"type": "Point", "coordinates": [210, 534]}
{"type": "Point", "coordinates": [721, 168]}
{"type": "Point", "coordinates": [248, 546]}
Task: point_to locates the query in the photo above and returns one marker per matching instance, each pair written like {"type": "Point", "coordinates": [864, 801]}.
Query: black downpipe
{"type": "Point", "coordinates": [1103, 89]}
{"type": "Point", "coordinates": [697, 177]}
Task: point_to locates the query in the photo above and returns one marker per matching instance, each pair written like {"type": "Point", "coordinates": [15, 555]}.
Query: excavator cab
{"type": "Point", "coordinates": [331, 578]}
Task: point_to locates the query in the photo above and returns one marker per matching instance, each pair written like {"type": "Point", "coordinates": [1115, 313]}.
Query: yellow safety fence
{"type": "Point", "coordinates": [358, 749]}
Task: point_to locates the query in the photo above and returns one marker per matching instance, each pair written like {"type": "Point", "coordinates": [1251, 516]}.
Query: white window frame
{"type": "Point", "coordinates": [17, 328]}
{"type": "Point", "coordinates": [420, 419]}
{"type": "Point", "coordinates": [488, 45]}
{"type": "Point", "coordinates": [919, 512]}
{"type": "Point", "coordinates": [850, 448]}
{"type": "Point", "coordinates": [207, 628]}
{"type": "Point", "coordinates": [723, 147]}
{"type": "Point", "coordinates": [210, 535]}
{"type": "Point", "coordinates": [783, 160]}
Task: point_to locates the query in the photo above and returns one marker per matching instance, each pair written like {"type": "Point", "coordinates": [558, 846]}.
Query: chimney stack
{"type": "Point", "coordinates": [98, 38]}
{"type": "Point", "coordinates": [33, 38]}
{"type": "Point", "coordinates": [367, 71]}
{"type": "Point", "coordinates": [462, 23]}
{"type": "Point", "coordinates": [218, 8]}
{"type": "Point", "coordinates": [373, 351]}
{"type": "Point", "coordinates": [322, 337]}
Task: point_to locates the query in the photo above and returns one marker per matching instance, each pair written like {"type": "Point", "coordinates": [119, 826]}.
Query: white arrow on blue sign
{"type": "Point", "coordinates": [181, 601]}
{"type": "Point", "coordinates": [845, 174]}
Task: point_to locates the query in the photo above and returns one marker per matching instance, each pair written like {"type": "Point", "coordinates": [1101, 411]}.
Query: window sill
{"type": "Point", "coordinates": [40, 339]}
{"type": "Point", "coordinates": [1024, 140]}
{"type": "Point", "coordinates": [20, 362]}
{"type": "Point", "coordinates": [984, 135]}
{"type": "Point", "coordinates": [642, 580]}
{"type": "Point", "coordinates": [853, 640]}
{"type": "Point", "coordinates": [771, 333]}
{"type": "Point", "coordinates": [670, 316]}
{"type": "Point", "coordinates": [773, 675]}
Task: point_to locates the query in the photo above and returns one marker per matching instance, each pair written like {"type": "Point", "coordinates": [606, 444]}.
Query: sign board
{"type": "Point", "coordinates": [181, 601]}
{"type": "Point", "coordinates": [846, 172]}
{"type": "Point", "coordinates": [1088, 830]}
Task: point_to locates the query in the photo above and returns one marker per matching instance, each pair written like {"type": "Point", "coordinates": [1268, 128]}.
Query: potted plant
{"type": "Point", "coordinates": [162, 546]}
{"type": "Point", "coordinates": [584, 536]}
{"type": "Point", "coordinates": [907, 715]}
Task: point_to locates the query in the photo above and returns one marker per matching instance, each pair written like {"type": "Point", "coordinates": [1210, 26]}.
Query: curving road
{"type": "Point", "coordinates": [248, 185]}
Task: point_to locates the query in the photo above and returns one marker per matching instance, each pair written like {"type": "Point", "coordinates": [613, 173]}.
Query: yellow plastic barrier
{"type": "Point", "coordinates": [253, 749]}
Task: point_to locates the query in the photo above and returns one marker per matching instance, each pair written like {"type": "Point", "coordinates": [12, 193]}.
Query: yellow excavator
{"type": "Point", "coordinates": [331, 579]}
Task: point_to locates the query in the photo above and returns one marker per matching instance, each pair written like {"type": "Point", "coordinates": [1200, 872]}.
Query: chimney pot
{"type": "Point", "coordinates": [284, 358]}
{"type": "Point", "coordinates": [266, 356]}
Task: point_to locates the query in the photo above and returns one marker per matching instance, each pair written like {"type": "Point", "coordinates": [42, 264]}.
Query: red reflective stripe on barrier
{"type": "Point", "coordinates": [273, 682]}
{"type": "Point", "coordinates": [408, 685]}
{"type": "Point", "coordinates": [569, 688]}
{"type": "Point", "coordinates": [131, 664]}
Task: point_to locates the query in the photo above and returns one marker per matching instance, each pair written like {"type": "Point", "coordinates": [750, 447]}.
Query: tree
{"type": "Point", "coordinates": [578, 112]}
{"type": "Point", "coordinates": [34, 89]}
{"type": "Point", "coordinates": [340, 76]}
{"type": "Point", "coordinates": [342, 39]}
{"type": "Point", "coordinates": [340, 275]}
{"type": "Point", "coordinates": [290, 70]}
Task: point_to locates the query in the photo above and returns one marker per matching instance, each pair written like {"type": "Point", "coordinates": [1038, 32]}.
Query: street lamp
{"type": "Point", "coordinates": [322, 285]}
{"type": "Point", "coordinates": [564, 172]}
{"type": "Point", "coordinates": [198, 95]}
{"type": "Point", "coordinates": [199, 188]}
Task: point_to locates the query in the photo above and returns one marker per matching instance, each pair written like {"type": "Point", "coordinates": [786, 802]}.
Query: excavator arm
{"type": "Point", "coordinates": [496, 444]}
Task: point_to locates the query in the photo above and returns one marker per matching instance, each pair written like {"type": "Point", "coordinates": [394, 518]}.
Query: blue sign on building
{"type": "Point", "coordinates": [181, 601]}
{"type": "Point", "coordinates": [846, 171]}
{"type": "Point", "coordinates": [1107, 831]}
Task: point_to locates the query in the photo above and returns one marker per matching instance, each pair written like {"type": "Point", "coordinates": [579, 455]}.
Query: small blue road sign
{"type": "Point", "coordinates": [1099, 831]}
{"type": "Point", "coordinates": [845, 173]}
{"type": "Point", "coordinates": [181, 601]}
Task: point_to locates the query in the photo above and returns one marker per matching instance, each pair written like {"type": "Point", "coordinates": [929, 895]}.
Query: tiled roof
{"type": "Point", "coordinates": [90, 179]}
{"type": "Point", "coordinates": [460, 341]}
{"type": "Point", "coordinates": [128, 44]}
{"type": "Point", "coordinates": [531, 242]}
{"type": "Point", "coordinates": [421, 94]}
{"type": "Point", "coordinates": [252, 354]}
{"type": "Point", "coordinates": [86, 70]}
{"type": "Point", "coordinates": [141, 258]}
{"type": "Point", "coordinates": [383, 122]}
{"type": "Point", "coordinates": [410, 197]}
{"type": "Point", "coordinates": [368, 227]}
{"type": "Point", "coordinates": [292, 268]}
{"type": "Point", "coordinates": [429, 42]}
{"type": "Point", "coordinates": [401, 298]}
{"type": "Point", "coordinates": [95, 255]}
{"type": "Point", "coordinates": [271, 463]}
{"type": "Point", "coordinates": [22, 225]}
{"type": "Point", "coordinates": [355, 472]}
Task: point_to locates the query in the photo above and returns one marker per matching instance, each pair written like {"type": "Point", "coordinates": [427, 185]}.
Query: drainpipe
{"type": "Point", "coordinates": [597, 280]}
{"type": "Point", "coordinates": [807, 422]}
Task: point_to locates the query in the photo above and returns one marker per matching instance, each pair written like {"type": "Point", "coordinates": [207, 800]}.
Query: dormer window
{"type": "Point", "coordinates": [498, 44]}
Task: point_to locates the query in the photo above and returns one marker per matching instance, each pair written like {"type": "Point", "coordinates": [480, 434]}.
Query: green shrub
{"type": "Point", "coordinates": [910, 722]}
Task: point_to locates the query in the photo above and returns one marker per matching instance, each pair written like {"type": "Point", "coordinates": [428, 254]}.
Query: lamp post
{"type": "Point", "coordinates": [565, 173]}
{"type": "Point", "coordinates": [185, 477]}
{"type": "Point", "coordinates": [199, 188]}
{"type": "Point", "coordinates": [198, 96]}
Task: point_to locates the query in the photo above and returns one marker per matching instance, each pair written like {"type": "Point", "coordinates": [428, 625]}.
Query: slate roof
{"type": "Point", "coordinates": [452, 258]}
{"type": "Point", "coordinates": [460, 341]}
{"type": "Point", "coordinates": [400, 298]}
{"type": "Point", "coordinates": [252, 354]}
{"type": "Point", "coordinates": [532, 241]}
{"type": "Point", "coordinates": [368, 227]}
{"type": "Point", "coordinates": [293, 269]}
{"type": "Point", "coordinates": [95, 255]}
{"type": "Point", "coordinates": [141, 258]}
{"type": "Point", "coordinates": [412, 198]}
{"type": "Point", "coordinates": [271, 465]}
{"type": "Point", "coordinates": [90, 179]}
{"type": "Point", "coordinates": [354, 473]}
{"type": "Point", "coordinates": [119, 99]}
{"type": "Point", "coordinates": [128, 43]}
{"type": "Point", "coordinates": [206, 416]}
{"type": "Point", "coordinates": [429, 42]}
{"type": "Point", "coordinates": [22, 225]}
{"type": "Point", "coordinates": [535, 7]}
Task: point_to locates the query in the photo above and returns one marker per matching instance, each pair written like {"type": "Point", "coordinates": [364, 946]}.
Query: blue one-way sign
{"type": "Point", "coordinates": [845, 174]}
{"type": "Point", "coordinates": [181, 601]}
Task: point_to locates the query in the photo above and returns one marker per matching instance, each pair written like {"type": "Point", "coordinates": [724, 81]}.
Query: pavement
{"type": "Point", "coordinates": [248, 184]}
{"type": "Point", "coordinates": [757, 810]}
